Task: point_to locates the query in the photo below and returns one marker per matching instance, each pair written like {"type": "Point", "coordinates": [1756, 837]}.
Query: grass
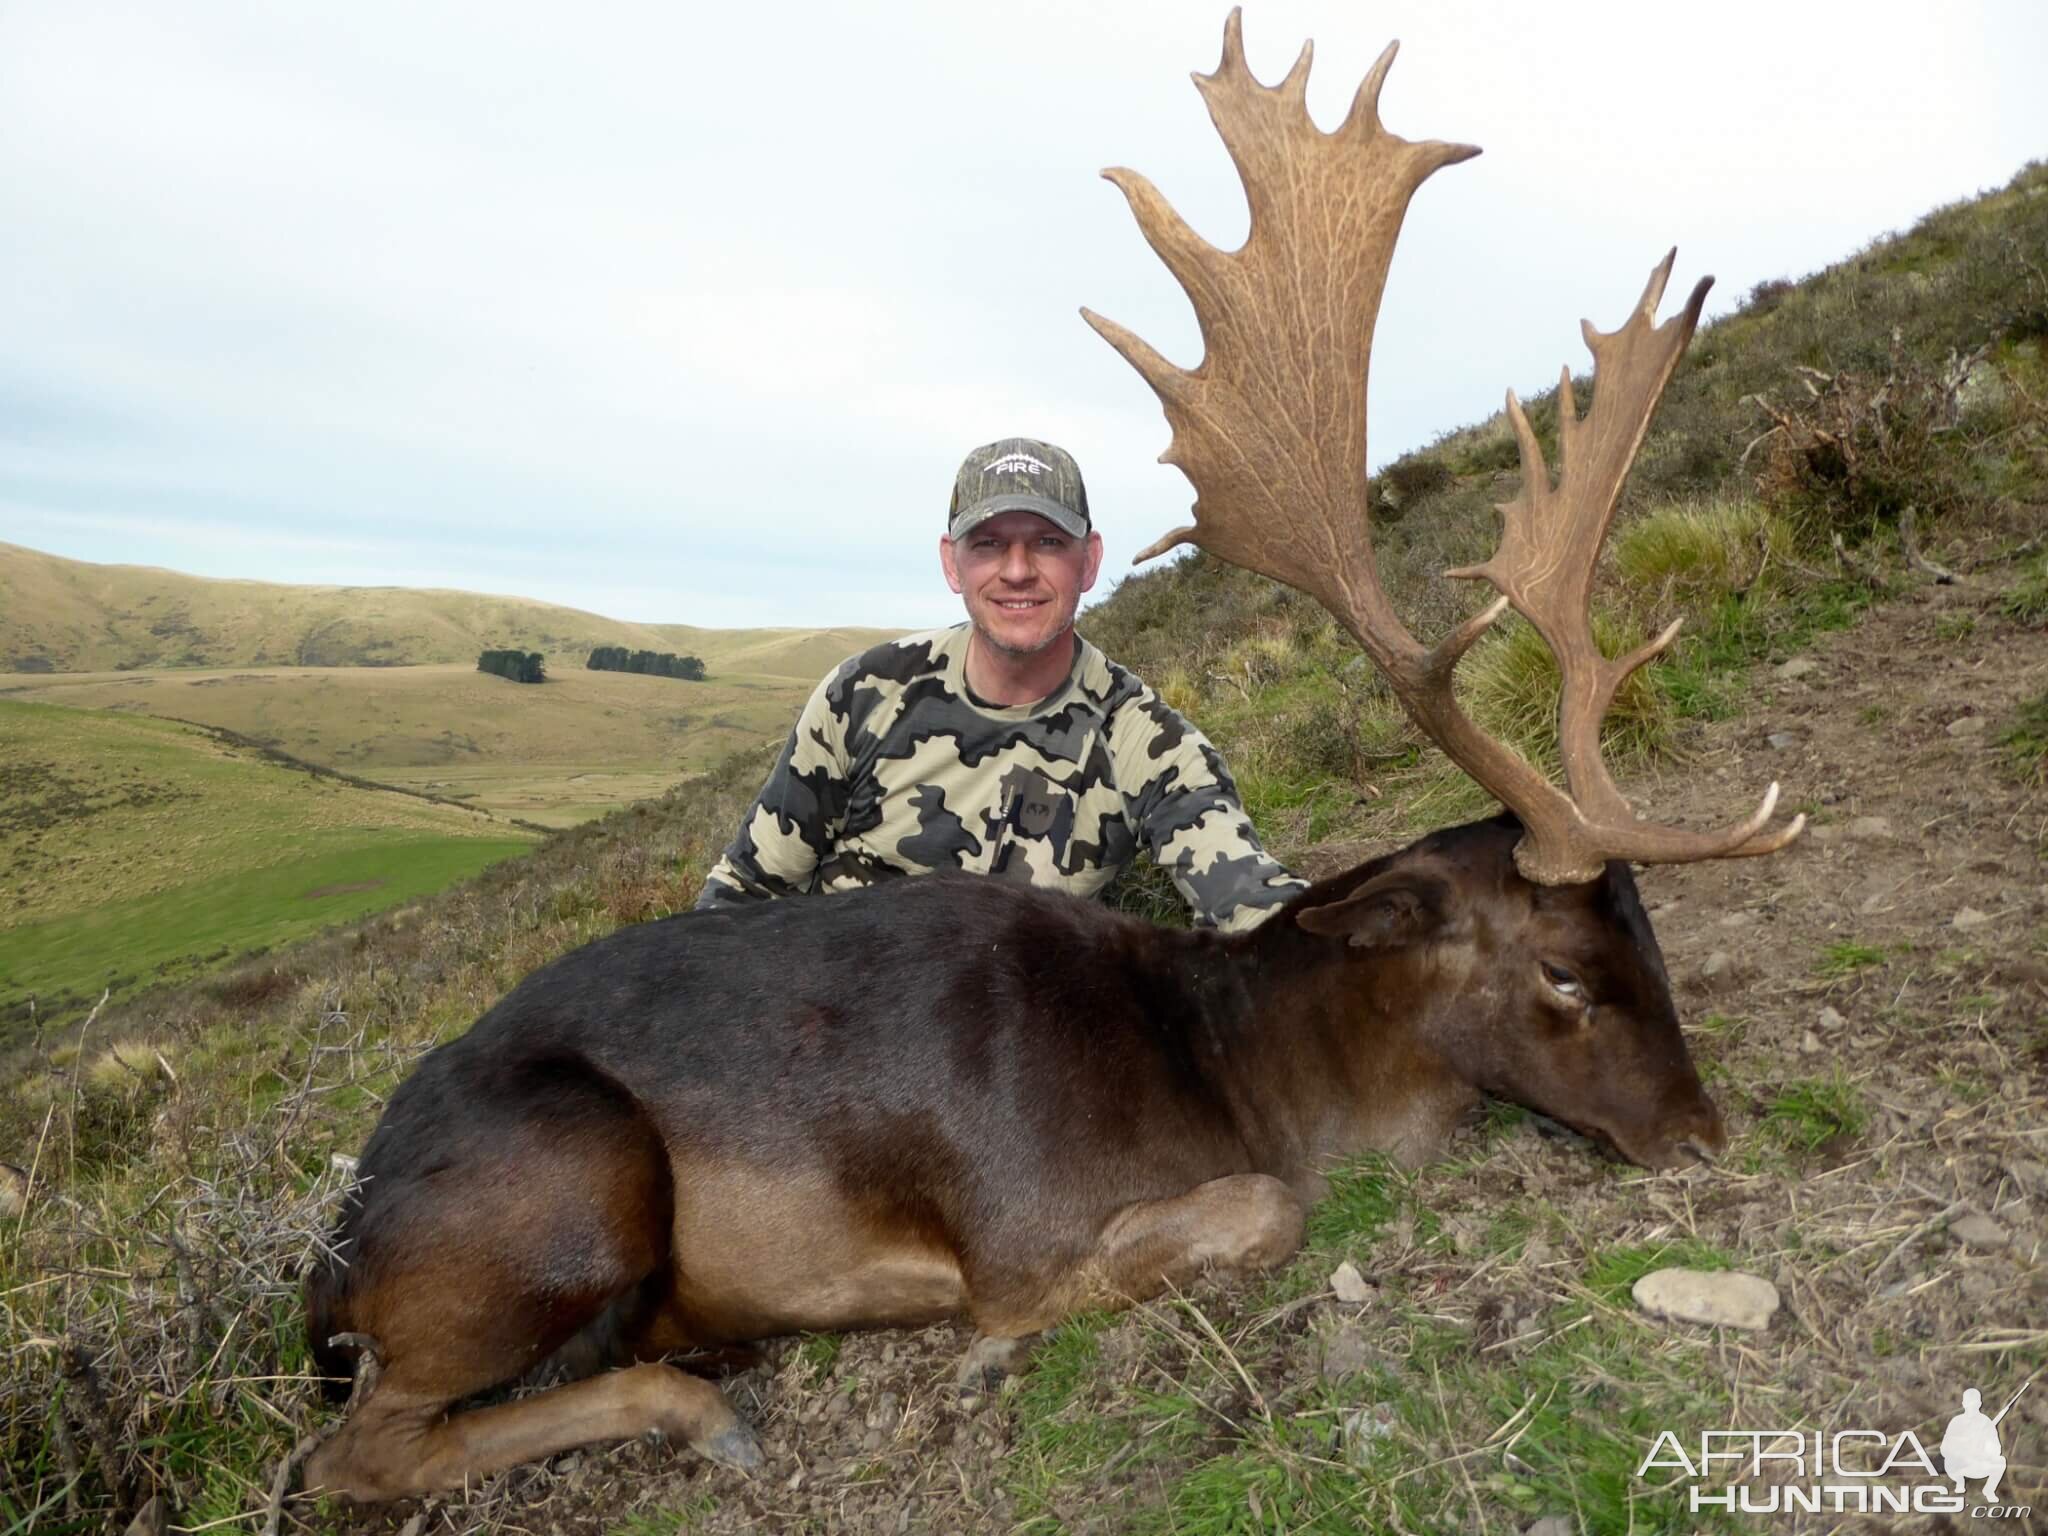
{"type": "Point", "coordinates": [1807, 1114]}
{"type": "Point", "coordinates": [1847, 958]}
{"type": "Point", "coordinates": [2025, 741]}
{"type": "Point", "coordinates": [124, 945]}
{"type": "Point", "coordinates": [2027, 598]}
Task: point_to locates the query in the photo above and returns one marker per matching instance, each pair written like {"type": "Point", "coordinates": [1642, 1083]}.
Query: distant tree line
{"type": "Point", "coordinates": [616, 658]}
{"type": "Point", "coordinates": [520, 666]}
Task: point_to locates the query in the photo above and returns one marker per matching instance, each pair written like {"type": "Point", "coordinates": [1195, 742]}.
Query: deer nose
{"type": "Point", "coordinates": [1704, 1135]}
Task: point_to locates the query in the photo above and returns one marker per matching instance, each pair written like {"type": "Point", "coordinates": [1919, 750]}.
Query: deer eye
{"type": "Point", "coordinates": [1562, 980]}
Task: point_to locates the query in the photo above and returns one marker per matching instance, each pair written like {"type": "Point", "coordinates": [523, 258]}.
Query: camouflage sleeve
{"type": "Point", "coordinates": [795, 819]}
{"type": "Point", "coordinates": [1181, 799]}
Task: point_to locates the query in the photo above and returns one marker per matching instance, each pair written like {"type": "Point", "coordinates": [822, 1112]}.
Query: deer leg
{"type": "Point", "coordinates": [1235, 1225]}
{"type": "Point", "coordinates": [398, 1445]}
{"type": "Point", "coordinates": [542, 1238]}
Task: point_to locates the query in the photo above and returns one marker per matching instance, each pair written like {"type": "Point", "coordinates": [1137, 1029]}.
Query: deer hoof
{"type": "Point", "coordinates": [736, 1447]}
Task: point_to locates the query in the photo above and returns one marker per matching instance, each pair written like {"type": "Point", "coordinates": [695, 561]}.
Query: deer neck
{"type": "Point", "coordinates": [1334, 1053]}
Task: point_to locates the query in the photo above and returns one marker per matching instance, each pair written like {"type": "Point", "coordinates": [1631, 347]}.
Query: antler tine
{"type": "Point", "coordinates": [1271, 430]}
{"type": "Point", "coordinates": [1550, 545]}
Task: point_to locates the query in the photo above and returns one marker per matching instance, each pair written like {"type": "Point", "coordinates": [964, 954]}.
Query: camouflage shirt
{"type": "Point", "coordinates": [895, 768]}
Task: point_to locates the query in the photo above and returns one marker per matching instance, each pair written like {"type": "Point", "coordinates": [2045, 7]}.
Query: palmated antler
{"type": "Point", "coordinates": [1270, 429]}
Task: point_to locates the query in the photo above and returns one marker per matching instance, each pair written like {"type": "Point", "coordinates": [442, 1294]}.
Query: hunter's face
{"type": "Point", "coordinates": [1021, 578]}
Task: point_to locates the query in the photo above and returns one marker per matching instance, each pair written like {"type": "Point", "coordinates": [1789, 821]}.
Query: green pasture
{"type": "Point", "coordinates": [123, 945]}
{"type": "Point", "coordinates": [135, 850]}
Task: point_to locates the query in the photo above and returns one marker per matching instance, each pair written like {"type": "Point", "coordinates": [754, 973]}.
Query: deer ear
{"type": "Point", "coordinates": [1400, 907]}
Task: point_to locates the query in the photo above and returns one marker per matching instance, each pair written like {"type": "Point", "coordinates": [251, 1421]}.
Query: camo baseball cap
{"type": "Point", "coordinates": [1018, 474]}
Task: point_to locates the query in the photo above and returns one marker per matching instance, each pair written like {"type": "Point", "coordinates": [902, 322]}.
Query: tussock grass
{"type": "Point", "coordinates": [1689, 554]}
{"type": "Point", "coordinates": [2027, 598]}
{"type": "Point", "coordinates": [1511, 685]}
{"type": "Point", "coordinates": [2025, 741]}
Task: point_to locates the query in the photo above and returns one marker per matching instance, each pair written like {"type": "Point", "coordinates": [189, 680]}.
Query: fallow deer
{"type": "Point", "coordinates": [957, 1096]}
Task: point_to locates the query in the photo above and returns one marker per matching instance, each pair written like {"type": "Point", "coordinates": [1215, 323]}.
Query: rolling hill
{"type": "Point", "coordinates": [73, 616]}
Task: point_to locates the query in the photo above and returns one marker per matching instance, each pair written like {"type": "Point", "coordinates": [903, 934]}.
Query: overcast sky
{"type": "Point", "coordinates": [687, 313]}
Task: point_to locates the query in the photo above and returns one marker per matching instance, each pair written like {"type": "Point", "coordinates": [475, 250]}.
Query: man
{"type": "Point", "coordinates": [1969, 1446]}
{"type": "Point", "coordinates": [1007, 746]}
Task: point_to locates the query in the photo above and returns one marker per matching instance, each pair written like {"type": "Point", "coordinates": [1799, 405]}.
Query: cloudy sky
{"type": "Point", "coordinates": [687, 312]}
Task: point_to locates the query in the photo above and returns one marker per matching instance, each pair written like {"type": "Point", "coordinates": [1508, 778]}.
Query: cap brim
{"type": "Point", "coordinates": [1057, 513]}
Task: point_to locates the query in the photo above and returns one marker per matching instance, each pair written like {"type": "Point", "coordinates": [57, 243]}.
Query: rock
{"type": "Point", "coordinates": [1809, 1043]}
{"type": "Point", "coordinates": [152, 1519]}
{"type": "Point", "coordinates": [1365, 1427]}
{"type": "Point", "coordinates": [1552, 1525]}
{"type": "Point", "coordinates": [1968, 725]}
{"type": "Point", "coordinates": [1968, 918]}
{"type": "Point", "coordinates": [1725, 1298]}
{"type": "Point", "coordinates": [1977, 1230]}
{"type": "Point", "coordinates": [1781, 741]}
{"type": "Point", "coordinates": [1464, 1233]}
{"type": "Point", "coordinates": [1831, 1020]}
{"type": "Point", "coordinates": [1983, 392]}
{"type": "Point", "coordinates": [13, 1192]}
{"type": "Point", "coordinates": [886, 1414]}
{"type": "Point", "coordinates": [1741, 919]}
{"type": "Point", "coordinates": [2029, 1175]}
{"type": "Point", "coordinates": [1869, 829]}
{"type": "Point", "coordinates": [1349, 1284]}
{"type": "Point", "coordinates": [1719, 963]}
{"type": "Point", "coordinates": [1345, 1352]}
{"type": "Point", "coordinates": [1797, 667]}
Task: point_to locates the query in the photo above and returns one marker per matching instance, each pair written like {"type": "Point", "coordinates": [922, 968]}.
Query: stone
{"type": "Point", "coordinates": [1552, 1525]}
{"type": "Point", "coordinates": [153, 1519]}
{"type": "Point", "coordinates": [1869, 829]}
{"type": "Point", "coordinates": [1810, 1043]}
{"type": "Point", "coordinates": [1345, 1353]}
{"type": "Point", "coordinates": [1349, 1284]}
{"type": "Point", "coordinates": [1983, 392]}
{"type": "Point", "coordinates": [1977, 1230]}
{"type": "Point", "coordinates": [13, 1192]}
{"type": "Point", "coordinates": [1725, 1298]}
{"type": "Point", "coordinates": [1796, 668]}
{"type": "Point", "coordinates": [1781, 741]}
{"type": "Point", "coordinates": [1365, 1427]}
{"type": "Point", "coordinates": [1719, 963]}
{"type": "Point", "coordinates": [1968, 725]}
{"type": "Point", "coordinates": [1831, 1020]}
{"type": "Point", "coordinates": [2029, 1175]}
{"type": "Point", "coordinates": [1968, 918]}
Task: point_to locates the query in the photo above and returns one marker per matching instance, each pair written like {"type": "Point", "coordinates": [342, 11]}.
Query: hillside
{"type": "Point", "coordinates": [1869, 1008]}
{"type": "Point", "coordinates": [71, 616]}
{"type": "Point", "coordinates": [134, 850]}
{"type": "Point", "coordinates": [580, 745]}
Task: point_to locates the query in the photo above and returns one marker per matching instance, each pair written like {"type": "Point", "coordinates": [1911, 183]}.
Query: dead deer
{"type": "Point", "coordinates": [958, 1096]}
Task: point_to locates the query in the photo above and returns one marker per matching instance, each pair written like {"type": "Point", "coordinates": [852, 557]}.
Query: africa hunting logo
{"type": "Point", "coordinates": [1852, 1471]}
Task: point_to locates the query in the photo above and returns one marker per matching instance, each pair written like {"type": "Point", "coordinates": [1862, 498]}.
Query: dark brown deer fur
{"type": "Point", "coordinates": [939, 1097]}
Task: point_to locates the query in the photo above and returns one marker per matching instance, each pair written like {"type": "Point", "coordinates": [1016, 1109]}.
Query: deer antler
{"type": "Point", "coordinates": [1270, 429]}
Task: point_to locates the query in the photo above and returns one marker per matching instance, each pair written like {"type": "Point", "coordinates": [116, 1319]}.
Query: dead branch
{"type": "Point", "coordinates": [1909, 538]}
